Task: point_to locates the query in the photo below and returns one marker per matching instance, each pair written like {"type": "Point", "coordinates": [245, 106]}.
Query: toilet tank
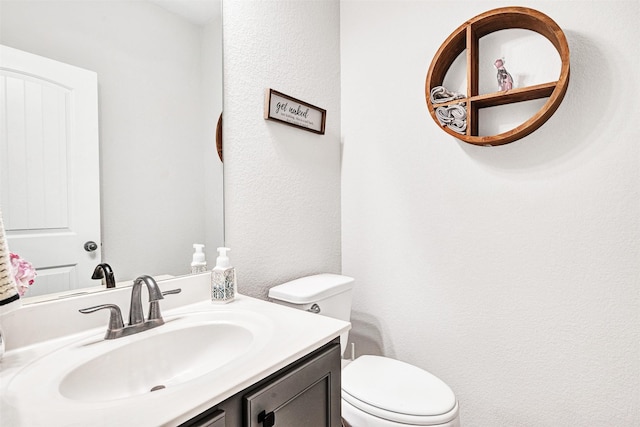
{"type": "Point", "coordinates": [331, 292]}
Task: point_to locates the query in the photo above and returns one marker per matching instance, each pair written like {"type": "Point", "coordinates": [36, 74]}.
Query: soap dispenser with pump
{"type": "Point", "coordinates": [198, 263]}
{"type": "Point", "coordinates": [223, 279]}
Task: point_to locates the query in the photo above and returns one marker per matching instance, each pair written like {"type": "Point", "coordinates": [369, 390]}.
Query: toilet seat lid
{"type": "Point", "coordinates": [397, 391]}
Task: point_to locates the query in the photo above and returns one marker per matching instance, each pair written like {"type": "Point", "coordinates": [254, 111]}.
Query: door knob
{"type": "Point", "coordinates": [90, 246]}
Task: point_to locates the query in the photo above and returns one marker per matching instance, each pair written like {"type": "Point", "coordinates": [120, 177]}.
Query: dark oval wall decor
{"type": "Point", "coordinates": [466, 37]}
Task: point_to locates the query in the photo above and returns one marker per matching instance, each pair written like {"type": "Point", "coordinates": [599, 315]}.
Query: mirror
{"type": "Point", "coordinates": [159, 73]}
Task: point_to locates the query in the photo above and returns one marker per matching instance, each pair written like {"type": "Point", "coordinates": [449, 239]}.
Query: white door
{"type": "Point", "coordinates": [49, 176]}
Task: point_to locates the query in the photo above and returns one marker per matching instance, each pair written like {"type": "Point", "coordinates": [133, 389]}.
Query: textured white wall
{"type": "Point", "coordinates": [154, 95]}
{"type": "Point", "coordinates": [282, 184]}
{"type": "Point", "coordinates": [510, 272]}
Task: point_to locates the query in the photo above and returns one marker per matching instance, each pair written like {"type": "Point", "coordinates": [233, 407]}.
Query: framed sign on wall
{"type": "Point", "coordinates": [294, 112]}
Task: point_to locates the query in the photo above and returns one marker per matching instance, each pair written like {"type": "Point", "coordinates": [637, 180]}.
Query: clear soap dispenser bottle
{"type": "Point", "coordinates": [199, 263]}
{"type": "Point", "coordinates": [223, 279]}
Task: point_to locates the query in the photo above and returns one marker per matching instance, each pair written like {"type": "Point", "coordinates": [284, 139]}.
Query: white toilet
{"type": "Point", "coordinates": [376, 391]}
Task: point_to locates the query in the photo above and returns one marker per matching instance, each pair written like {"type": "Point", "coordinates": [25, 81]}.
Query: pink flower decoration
{"type": "Point", "coordinates": [23, 273]}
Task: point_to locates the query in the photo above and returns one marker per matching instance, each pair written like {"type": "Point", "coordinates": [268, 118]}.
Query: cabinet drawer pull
{"type": "Point", "coordinates": [267, 420]}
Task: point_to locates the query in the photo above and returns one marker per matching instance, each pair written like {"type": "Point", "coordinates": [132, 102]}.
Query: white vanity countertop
{"type": "Point", "coordinates": [294, 333]}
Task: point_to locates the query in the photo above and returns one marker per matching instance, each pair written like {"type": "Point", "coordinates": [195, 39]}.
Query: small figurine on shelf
{"type": "Point", "coordinates": [505, 81]}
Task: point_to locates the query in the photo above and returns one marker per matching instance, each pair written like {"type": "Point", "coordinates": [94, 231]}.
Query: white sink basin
{"type": "Point", "coordinates": [150, 363]}
{"type": "Point", "coordinates": [202, 355]}
{"type": "Point", "coordinates": [156, 362]}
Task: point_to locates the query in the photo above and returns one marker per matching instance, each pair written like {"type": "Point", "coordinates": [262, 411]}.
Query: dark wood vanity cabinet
{"type": "Point", "coordinates": [305, 393]}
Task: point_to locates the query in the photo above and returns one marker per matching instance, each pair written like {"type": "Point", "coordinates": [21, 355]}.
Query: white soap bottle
{"type": "Point", "coordinates": [223, 279]}
{"type": "Point", "coordinates": [198, 263]}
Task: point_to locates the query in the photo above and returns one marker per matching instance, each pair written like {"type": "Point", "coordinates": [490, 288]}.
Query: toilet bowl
{"type": "Point", "coordinates": [376, 391]}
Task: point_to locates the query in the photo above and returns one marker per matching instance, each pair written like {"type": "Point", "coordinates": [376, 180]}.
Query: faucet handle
{"type": "Point", "coordinates": [115, 318]}
{"type": "Point", "coordinates": [154, 306]}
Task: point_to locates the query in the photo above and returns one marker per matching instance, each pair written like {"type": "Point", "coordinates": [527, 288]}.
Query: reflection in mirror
{"type": "Point", "coordinates": [158, 66]}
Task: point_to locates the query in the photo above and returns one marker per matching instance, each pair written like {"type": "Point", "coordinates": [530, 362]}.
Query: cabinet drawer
{"type": "Point", "coordinates": [309, 395]}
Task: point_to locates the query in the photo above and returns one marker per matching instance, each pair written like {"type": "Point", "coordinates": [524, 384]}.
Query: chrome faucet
{"type": "Point", "coordinates": [103, 271]}
{"type": "Point", "coordinates": [116, 328]}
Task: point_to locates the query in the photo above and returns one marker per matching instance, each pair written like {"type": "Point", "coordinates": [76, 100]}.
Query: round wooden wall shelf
{"type": "Point", "coordinates": [466, 37]}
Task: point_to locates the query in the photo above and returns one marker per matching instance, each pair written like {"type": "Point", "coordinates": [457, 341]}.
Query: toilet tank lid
{"type": "Point", "coordinates": [310, 289]}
